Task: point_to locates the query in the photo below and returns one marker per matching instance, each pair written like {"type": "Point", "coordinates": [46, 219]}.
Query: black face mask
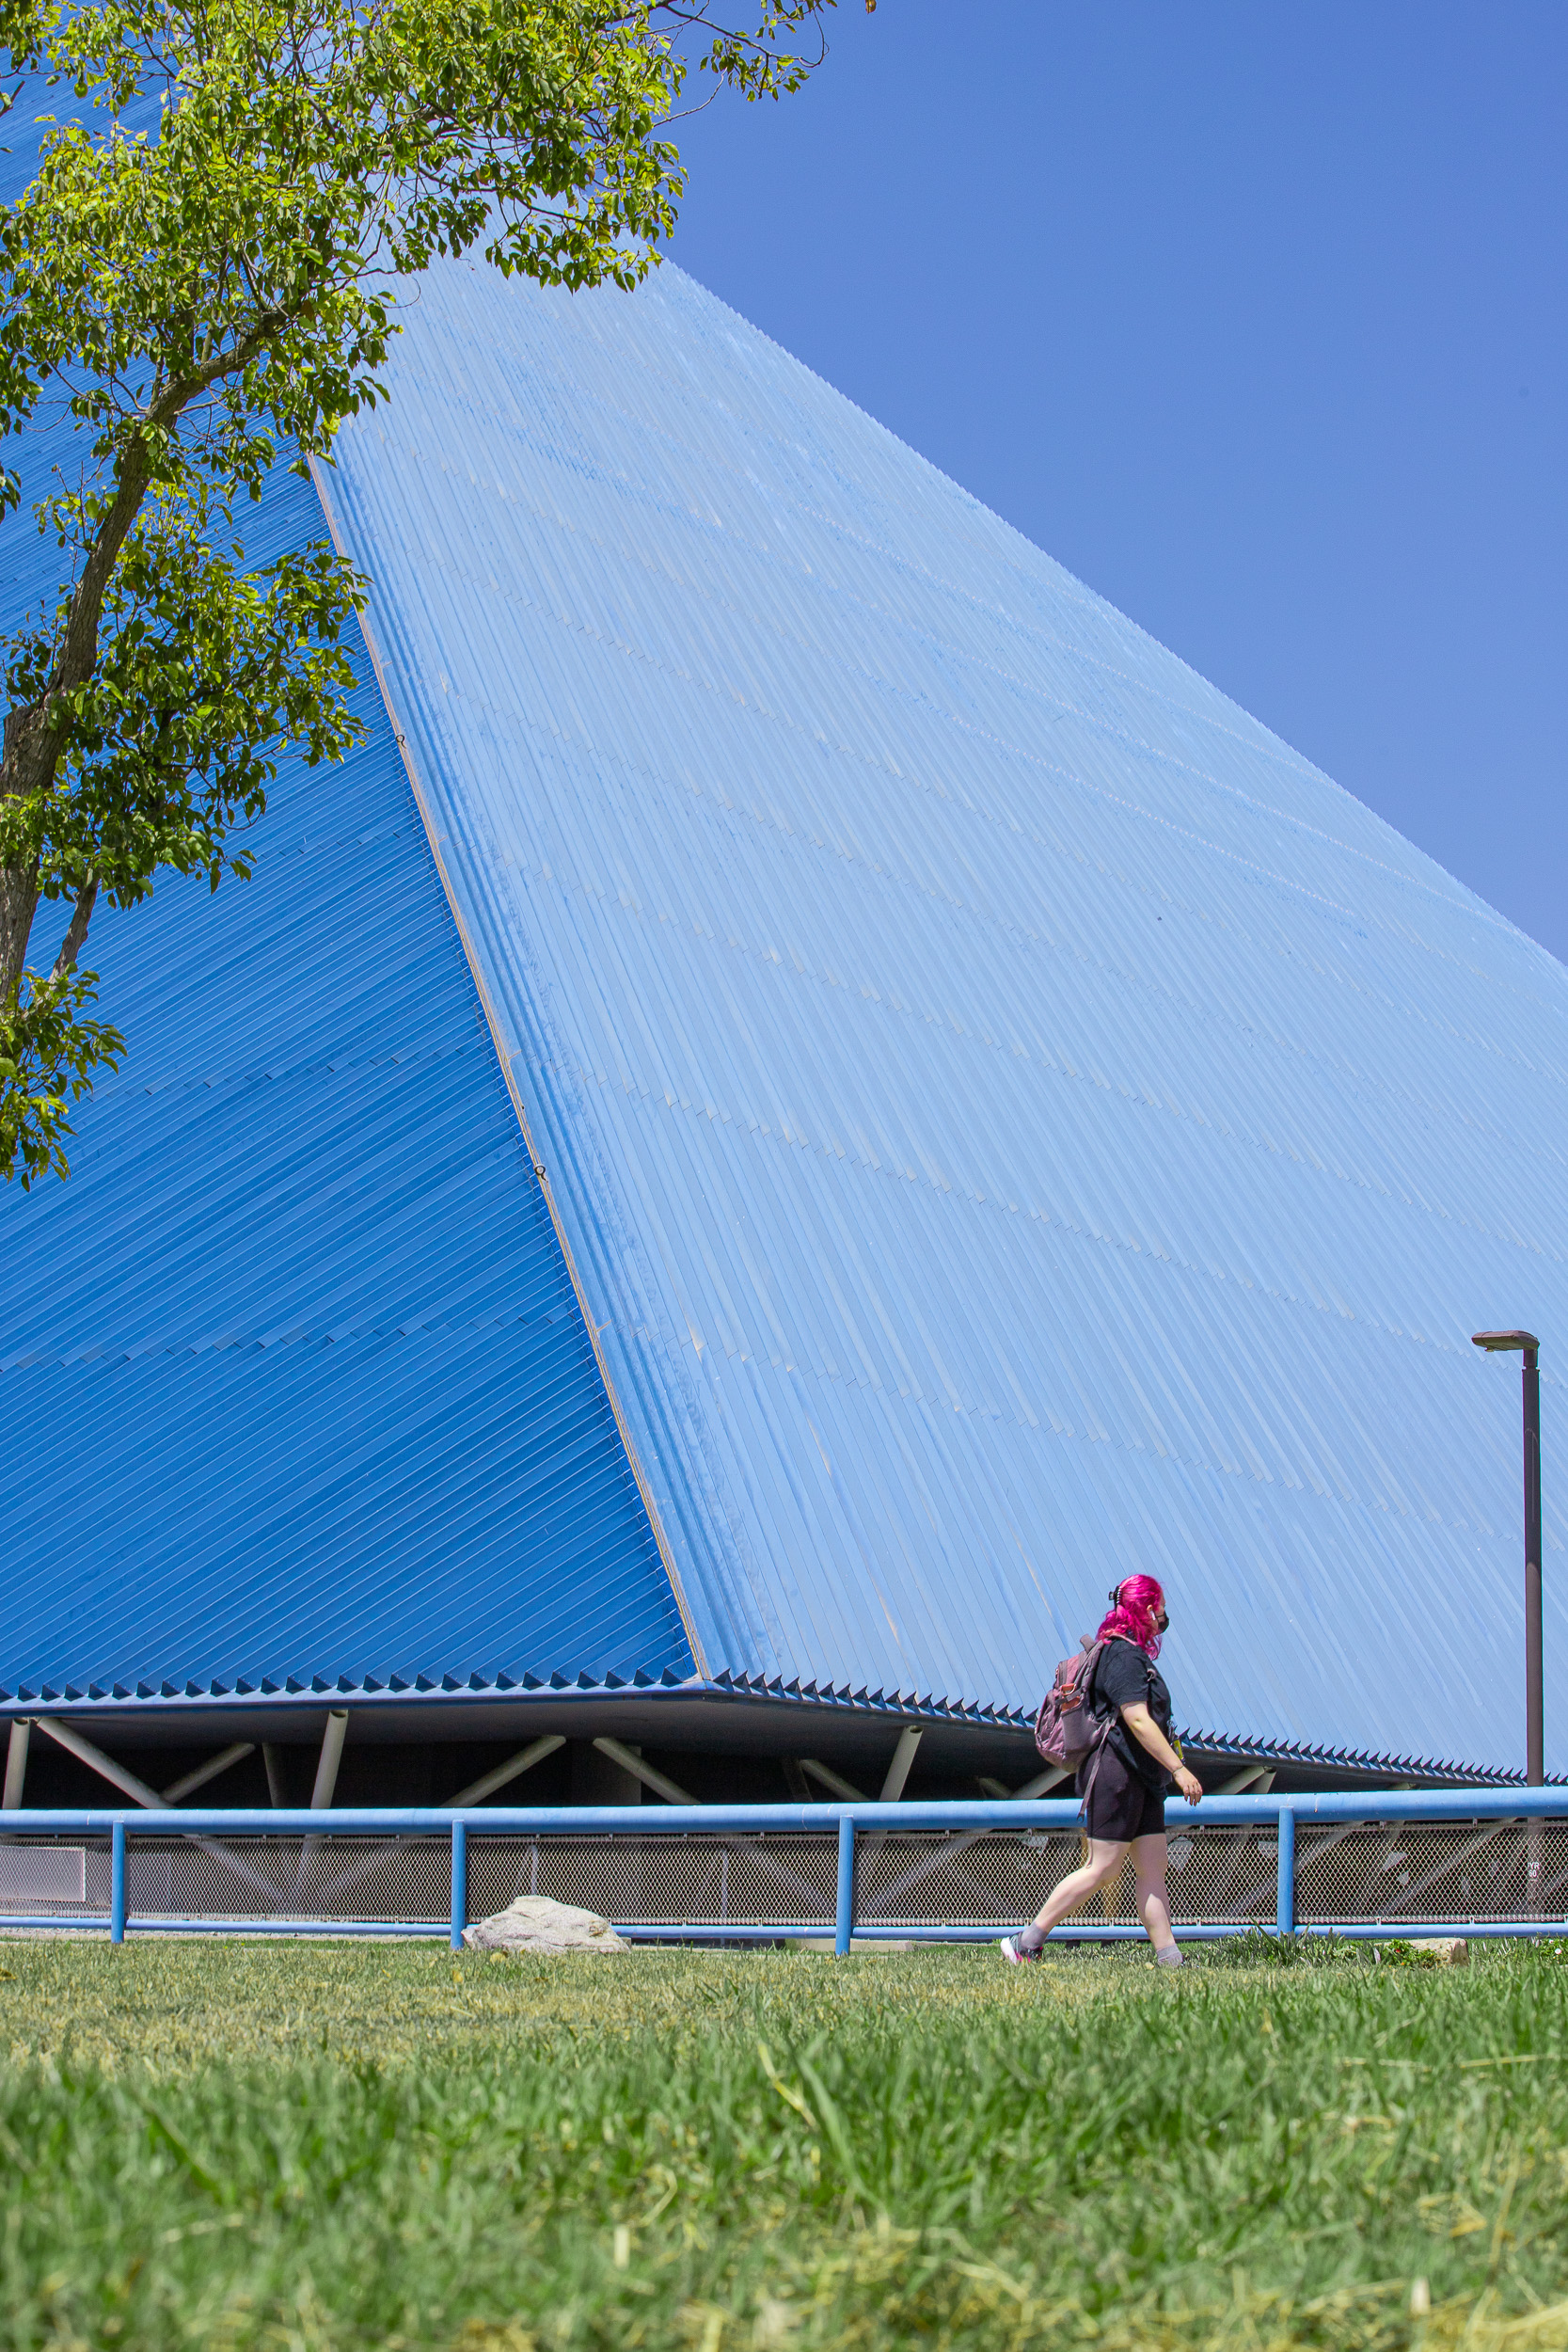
{"type": "Point", "coordinates": [1161, 1623]}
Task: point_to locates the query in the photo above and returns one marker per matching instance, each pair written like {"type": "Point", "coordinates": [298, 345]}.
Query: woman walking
{"type": "Point", "coordinates": [1125, 1776]}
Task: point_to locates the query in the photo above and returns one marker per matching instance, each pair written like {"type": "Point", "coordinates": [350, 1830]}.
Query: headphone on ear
{"type": "Point", "coordinates": [1115, 1597]}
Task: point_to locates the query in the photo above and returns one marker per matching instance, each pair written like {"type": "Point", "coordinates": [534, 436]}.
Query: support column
{"type": "Point", "coordinates": [1535, 1753]}
{"type": "Point", "coordinates": [898, 1770]}
{"type": "Point", "coordinates": [330, 1758]}
{"type": "Point", "coordinates": [322, 1793]}
{"type": "Point", "coordinates": [1285, 1900]}
{"type": "Point", "coordinates": [459, 1883]}
{"type": "Point", "coordinates": [1535, 1761]}
{"type": "Point", "coordinates": [16, 1763]}
{"type": "Point", "coordinates": [116, 1884]}
{"type": "Point", "coordinates": [844, 1924]}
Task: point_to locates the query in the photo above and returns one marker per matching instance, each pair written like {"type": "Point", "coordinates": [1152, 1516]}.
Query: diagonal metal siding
{"type": "Point", "coordinates": [299, 1390]}
{"type": "Point", "coordinates": [1015, 1120]}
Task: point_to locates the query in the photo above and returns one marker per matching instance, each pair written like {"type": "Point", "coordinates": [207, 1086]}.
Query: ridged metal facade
{"type": "Point", "coordinates": [1016, 1120]}
{"type": "Point", "coordinates": [1013, 1121]}
{"type": "Point", "coordinates": [297, 1392]}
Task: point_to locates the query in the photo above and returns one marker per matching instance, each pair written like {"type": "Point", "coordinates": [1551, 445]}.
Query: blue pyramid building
{"type": "Point", "coordinates": [809, 1100]}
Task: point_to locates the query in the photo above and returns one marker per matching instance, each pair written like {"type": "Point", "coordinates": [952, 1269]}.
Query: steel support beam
{"type": "Point", "coordinates": [126, 1781]}
{"type": "Point", "coordinates": [210, 1771]}
{"type": "Point", "coordinates": [64, 1736]}
{"type": "Point", "coordinates": [630, 1762]}
{"type": "Point", "coordinates": [16, 1763]}
{"type": "Point", "coordinates": [328, 1762]}
{"type": "Point", "coordinates": [1257, 1776]}
{"type": "Point", "coordinates": [524, 1762]}
{"type": "Point", "coordinates": [892, 1786]}
{"type": "Point", "coordinates": [898, 1770]}
{"type": "Point", "coordinates": [118, 1776]}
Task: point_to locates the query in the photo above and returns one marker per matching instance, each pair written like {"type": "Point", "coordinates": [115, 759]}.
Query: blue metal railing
{"type": "Point", "coordinates": [851, 1821]}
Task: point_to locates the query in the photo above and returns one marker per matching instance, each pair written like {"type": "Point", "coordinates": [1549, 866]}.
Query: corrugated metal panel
{"type": "Point", "coordinates": [1016, 1120]}
{"type": "Point", "coordinates": [298, 1389]}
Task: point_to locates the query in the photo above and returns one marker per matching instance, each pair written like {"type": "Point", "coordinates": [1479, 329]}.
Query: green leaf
{"type": "Point", "coordinates": [216, 296]}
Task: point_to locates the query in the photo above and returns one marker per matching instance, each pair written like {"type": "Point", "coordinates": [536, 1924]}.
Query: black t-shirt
{"type": "Point", "coordinates": [1125, 1676]}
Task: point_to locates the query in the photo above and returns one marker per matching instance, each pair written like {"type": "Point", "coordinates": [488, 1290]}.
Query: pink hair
{"type": "Point", "coordinates": [1139, 1605]}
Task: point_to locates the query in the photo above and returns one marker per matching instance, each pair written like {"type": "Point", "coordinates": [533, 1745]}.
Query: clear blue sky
{"type": "Point", "coordinates": [1253, 316]}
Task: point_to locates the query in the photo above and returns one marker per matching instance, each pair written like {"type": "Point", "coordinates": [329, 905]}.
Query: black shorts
{"type": "Point", "coordinates": [1122, 1805]}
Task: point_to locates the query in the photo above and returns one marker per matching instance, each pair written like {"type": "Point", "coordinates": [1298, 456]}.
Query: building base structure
{"type": "Point", "coordinates": [808, 1099]}
{"type": "Point", "coordinates": [709, 1748]}
{"type": "Point", "coordinates": [1411, 1865]}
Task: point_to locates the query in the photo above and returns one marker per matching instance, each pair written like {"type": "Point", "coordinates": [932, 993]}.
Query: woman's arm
{"type": "Point", "coordinates": [1148, 1734]}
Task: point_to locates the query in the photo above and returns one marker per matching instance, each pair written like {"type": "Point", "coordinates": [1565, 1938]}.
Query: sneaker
{"type": "Point", "coordinates": [1014, 1954]}
{"type": "Point", "coordinates": [1169, 1957]}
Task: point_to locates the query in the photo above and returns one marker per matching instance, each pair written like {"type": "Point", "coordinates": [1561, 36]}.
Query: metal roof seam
{"type": "Point", "coordinates": [657, 751]}
{"type": "Point", "coordinates": [504, 1058]}
{"type": "Point", "coordinates": [1299, 1047]}
{"type": "Point", "coordinates": [1003, 1118]}
{"type": "Point", "coordinates": [1074, 591]}
{"type": "Point", "coordinates": [245, 1692]}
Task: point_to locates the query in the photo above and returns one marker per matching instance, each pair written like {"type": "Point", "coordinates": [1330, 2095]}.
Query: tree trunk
{"type": "Point", "coordinates": [34, 747]}
{"type": "Point", "coordinates": [76, 930]}
{"type": "Point", "coordinates": [19, 884]}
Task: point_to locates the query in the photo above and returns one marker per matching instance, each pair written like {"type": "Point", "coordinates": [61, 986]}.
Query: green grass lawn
{"type": "Point", "coordinates": [303, 2146]}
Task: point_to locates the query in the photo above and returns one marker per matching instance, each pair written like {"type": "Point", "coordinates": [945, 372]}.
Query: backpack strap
{"type": "Point", "coordinates": [1102, 1736]}
{"type": "Point", "coordinates": [1102, 1741]}
{"type": "Point", "coordinates": [1100, 1650]}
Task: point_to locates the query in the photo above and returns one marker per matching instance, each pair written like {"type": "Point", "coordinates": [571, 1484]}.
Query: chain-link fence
{"type": "Point", "coordinates": [993, 1878]}
{"type": "Point", "coordinates": [1347, 1873]}
{"type": "Point", "coordinates": [386, 1881]}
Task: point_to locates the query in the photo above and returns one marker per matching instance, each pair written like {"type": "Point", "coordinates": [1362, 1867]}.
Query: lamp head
{"type": "Point", "coordinates": [1503, 1342]}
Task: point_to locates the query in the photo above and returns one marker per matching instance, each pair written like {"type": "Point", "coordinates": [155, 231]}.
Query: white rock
{"type": "Point", "coordinates": [534, 1923]}
{"type": "Point", "coordinates": [1449, 1950]}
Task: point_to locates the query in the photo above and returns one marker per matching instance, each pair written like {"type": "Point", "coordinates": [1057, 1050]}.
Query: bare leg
{"type": "Point", "coordinates": [1149, 1868]}
{"type": "Point", "coordinates": [1106, 1856]}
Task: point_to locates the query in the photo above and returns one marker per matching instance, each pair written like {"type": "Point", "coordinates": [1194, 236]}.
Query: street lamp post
{"type": "Point", "coordinates": [1525, 1343]}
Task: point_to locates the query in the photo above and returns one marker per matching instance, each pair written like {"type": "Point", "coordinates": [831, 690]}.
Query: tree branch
{"type": "Point", "coordinates": [79, 648]}
{"type": "Point", "coordinates": [71, 946]}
